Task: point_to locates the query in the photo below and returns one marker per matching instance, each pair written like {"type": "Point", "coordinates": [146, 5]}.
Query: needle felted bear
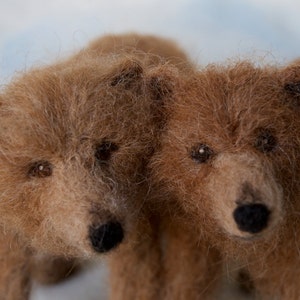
{"type": "Point", "coordinates": [229, 163]}
{"type": "Point", "coordinates": [75, 138]}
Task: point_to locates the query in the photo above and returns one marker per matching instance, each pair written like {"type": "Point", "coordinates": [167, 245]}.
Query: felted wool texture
{"type": "Point", "coordinates": [232, 139]}
{"type": "Point", "coordinates": [151, 49]}
{"type": "Point", "coordinates": [135, 267]}
{"type": "Point", "coordinates": [75, 139]}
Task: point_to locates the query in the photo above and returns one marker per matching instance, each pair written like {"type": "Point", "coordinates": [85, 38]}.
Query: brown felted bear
{"type": "Point", "coordinates": [153, 51]}
{"type": "Point", "coordinates": [229, 166]}
{"type": "Point", "coordinates": [75, 139]}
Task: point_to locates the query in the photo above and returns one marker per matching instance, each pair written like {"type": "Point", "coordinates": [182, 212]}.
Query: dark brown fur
{"type": "Point", "coordinates": [227, 109]}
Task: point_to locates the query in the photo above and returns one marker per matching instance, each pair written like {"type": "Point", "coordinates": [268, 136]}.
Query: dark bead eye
{"type": "Point", "coordinates": [104, 150]}
{"type": "Point", "coordinates": [265, 142]}
{"type": "Point", "coordinates": [201, 153]}
{"type": "Point", "coordinates": [40, 169]}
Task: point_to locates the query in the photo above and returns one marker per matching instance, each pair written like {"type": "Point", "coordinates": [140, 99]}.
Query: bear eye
{"type": "Point", "coordinates": [40, 169]}
{"type": "Point", "coordinates": [104, 150]}
{"type": "Point", "coordinates": [265, 142]}
{"type": "Point", "coordinates": [201, 153]}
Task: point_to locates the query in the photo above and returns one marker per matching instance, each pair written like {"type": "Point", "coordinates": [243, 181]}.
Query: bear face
{"type": "Point", "coordinates": [229, 154]}
{"type": "Point", "coordinates": [74, 139]}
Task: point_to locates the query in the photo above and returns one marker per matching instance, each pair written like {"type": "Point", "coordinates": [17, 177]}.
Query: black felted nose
{"type": "Point", "coordinates": [106, 237]}
{"type": "Point", "coordinates": [251, 218]}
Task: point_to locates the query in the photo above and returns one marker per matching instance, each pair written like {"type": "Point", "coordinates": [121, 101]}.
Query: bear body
{"type": "Point", "coordinates": [75, 139]}
{"type": "Point", "coordinates": [229, 165]}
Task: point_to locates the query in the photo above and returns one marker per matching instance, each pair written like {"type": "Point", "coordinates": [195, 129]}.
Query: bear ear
{"type": "Point", "coordinates": [291, 83]}
{"type": "Point", "coordinates": [293, 88]}
{"type": "Point", "coordinates": [161, 83]}
{"type": "Point", "coordinates": [160, 86]}
{"type": "Point", "coordinates": [128, 74]}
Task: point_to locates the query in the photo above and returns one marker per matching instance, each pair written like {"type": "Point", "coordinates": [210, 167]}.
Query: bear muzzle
{"type": "Point", "coordinates": [106, 237]}
{"type": "Point", "coordinates": [247, 201]}
{"type": "Point", "coordinates": [252, 214]}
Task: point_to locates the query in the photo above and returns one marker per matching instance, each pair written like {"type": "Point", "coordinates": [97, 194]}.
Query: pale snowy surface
{"type": "Point", "coordinates": [90, 284]}
{"type": "Point", "coordinates": [34, 32]}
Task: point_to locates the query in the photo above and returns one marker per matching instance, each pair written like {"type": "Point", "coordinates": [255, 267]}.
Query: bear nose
{"type": "Point", "coordinates": [252, 218]}
{"type": "Point", "coordinates": [106, 237]}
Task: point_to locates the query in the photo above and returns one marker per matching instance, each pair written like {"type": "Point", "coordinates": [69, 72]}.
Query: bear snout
{"type": "Point", "coordinates": [106, 237]}
{"type": "Point", "coordinates": [252, 218]}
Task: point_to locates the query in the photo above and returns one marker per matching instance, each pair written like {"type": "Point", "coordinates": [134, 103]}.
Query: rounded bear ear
{"type": "Point", "coordinates": [127, 74]}
{"type": "Point", "coordinates": [291, 83]}
{"type": "Point", "coordinates": [160, 86]}
{"type": "Point", "coordinates": [293, 88]}
{"type": "Point", "coordinates": [161, 83]}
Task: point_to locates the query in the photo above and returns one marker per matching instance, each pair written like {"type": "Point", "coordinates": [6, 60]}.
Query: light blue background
{"type": "Point", "coordinates": [33, 32]}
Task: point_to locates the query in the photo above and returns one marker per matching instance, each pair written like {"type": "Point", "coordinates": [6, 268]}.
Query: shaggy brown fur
{"type": "Point", "coordinates": [75, 138]}
{"type": "Point", "coordinates": [151, 49]}
{"type": "Point", "coordinates": [229, 164]}
{"type": "Point", "coordinates": [135, 268]}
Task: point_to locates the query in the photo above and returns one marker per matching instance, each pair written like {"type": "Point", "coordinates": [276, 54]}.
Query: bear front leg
{"type": "Point", "coordinates": [14, 269]}
{"type": "Point", "coordinates": [277, 277]}
{"type": "Point", "coordinates": [135, 266]}
{"type": "Point", "coordinates": [192, 269]}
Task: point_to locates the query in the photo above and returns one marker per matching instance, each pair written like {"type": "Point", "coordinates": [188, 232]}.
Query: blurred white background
{"type": "Point", "coordinates": [33, 32]}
